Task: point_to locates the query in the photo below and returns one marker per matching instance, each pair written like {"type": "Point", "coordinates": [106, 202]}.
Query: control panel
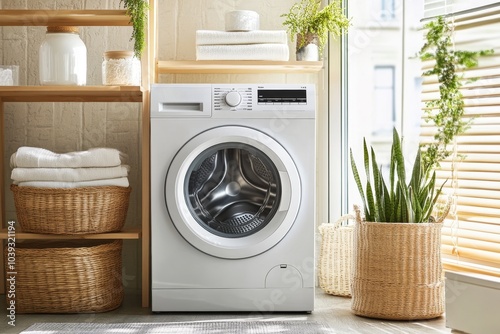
{"type": "Point", "coordinates": [233, 100]}
{"type": "Point", "coordinates": [240, 98]}
{"type": "Point", "coordinates": [260, 97]}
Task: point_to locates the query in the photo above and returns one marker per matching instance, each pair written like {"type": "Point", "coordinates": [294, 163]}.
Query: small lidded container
{"type": "Point", "coordinates": [121, 68]}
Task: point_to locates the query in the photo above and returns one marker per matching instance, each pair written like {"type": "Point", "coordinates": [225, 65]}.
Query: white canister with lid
{"type": "Point", "coordinates": [242, 20]}
{"type": "Point", "coordinates": [63, 57]}
{"type": "Point", "coordinates": [121, 68]}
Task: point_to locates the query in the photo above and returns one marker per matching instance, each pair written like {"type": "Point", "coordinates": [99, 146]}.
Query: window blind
{"type": "Point", "coordinates": [471, 232]}
{"type": "Point", "coordinates": [434, 8]}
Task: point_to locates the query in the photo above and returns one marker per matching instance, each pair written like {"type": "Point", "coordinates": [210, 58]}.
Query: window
{"type": "Point", "coordinates": [441, 7]}
{"type": "Point", "coordinates": [387, 10]}
{"type": "Point", "coordinates": [382, 80]}
{"type": "Point", "coordinates": [471, 232]}
{"type": "Point", "coordinates": [384, 104]}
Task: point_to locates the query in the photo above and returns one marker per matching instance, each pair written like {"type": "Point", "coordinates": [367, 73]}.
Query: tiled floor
{"type": "Point", "coordinates": [330, 310]}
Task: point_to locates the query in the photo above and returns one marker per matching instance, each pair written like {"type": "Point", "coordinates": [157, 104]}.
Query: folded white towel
{"type": "Point", "coordinates": [214, 37]}
{"type": "Point", "coordinates": [120, 182]}
{"type": "Point", "coordinates": [69, 174]}
{"type": "Point", "coordinates": [276, 52]}
{"type": "Point", "coordinates": [39, 157]}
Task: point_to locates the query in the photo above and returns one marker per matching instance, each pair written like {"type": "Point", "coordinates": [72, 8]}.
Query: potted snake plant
{"type": "Point", "coordinates": [311, 25]}
{"type": "Point", "coordinates": [397, 261]}
{"type": "Point", "coordinates": [397, 271]}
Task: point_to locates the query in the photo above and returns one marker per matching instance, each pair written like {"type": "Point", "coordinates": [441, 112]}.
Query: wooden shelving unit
{"type": "Point", "coordinates": [227, 66]}
{"type": "Point", "coordinates": [84, 94]}
{"type": "Point", "coordinates": [125, 234]}
{"type": "Point", "coordinates": [71, 94]}
{"type": "Point", "coordinates": [25, 17]}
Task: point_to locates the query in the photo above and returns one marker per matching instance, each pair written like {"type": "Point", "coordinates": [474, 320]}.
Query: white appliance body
{"type": "Point", "coordinates": [232, 197]}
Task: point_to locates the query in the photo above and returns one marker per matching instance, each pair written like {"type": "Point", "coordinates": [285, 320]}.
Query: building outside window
{"type": "Point", "coordinates": [384, 99]}
{"type": "Point", "coordinates": [387, 10]}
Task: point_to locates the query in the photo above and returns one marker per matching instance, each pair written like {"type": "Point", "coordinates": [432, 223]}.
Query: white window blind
{"type": "Point", "coordinates": [434, 8]}
{"type": "Point", "coordinates": [471, 232]}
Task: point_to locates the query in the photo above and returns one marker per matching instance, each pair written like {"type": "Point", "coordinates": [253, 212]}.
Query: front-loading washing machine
{"type": "Point", "coordinates": [232, 197]}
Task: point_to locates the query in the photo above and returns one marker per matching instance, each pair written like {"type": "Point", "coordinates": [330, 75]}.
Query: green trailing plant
{"type": "Point", "coordinates": [138, 12]}
{"type": "Point", "coordinates": [307, 16]}
{"type": "Point", "coordinates": [446, 112]}
{"type": "Point", "coordinates": [396, 200]}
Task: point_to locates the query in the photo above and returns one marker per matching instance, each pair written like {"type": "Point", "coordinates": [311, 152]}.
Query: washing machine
{"type": "Point", "coordinates": [232, 197]}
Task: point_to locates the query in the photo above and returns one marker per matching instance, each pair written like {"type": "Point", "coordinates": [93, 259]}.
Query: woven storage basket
{"type": "Point", "coordinates": [77, 276]}
{"type": "Point", "coordinates": [336, 257]}
{"type": "Point", "coordinates": [71, 211]}
{"type": "Point", "coordinates": [397, 270]}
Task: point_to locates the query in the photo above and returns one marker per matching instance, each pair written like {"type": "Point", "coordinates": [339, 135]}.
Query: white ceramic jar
{"type": "Point", "coordinates": [242, 20]}
{"type": "Point", "coordinates": [63, 57]}
{"type": "Point", "coordinates": [121, 68]}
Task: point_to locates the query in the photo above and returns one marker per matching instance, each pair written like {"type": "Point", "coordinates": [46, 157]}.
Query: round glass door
{"type": "Point", "coordinates": [232, 192]}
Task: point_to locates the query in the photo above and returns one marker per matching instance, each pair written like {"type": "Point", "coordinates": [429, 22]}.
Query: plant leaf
{"type": "Point", "coordinates": [357, 179]}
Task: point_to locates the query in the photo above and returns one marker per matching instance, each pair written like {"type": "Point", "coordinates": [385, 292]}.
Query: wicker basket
{"type": "Point", "coordinates": [335, 258]}
{"type": "Point", "coordinates": [397, 270]}
{"type": "Point", "coordinates": [77, 276]}
{"type": "Point", "coordinates": [71, 211]}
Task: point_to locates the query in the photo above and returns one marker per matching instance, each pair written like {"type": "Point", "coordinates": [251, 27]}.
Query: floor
{"type": "Point", "coordinates": [329, 310]}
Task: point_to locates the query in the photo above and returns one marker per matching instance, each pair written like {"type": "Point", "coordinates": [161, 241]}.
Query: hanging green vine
{"type": "Point", "coordinates": [138, 12]}
{"type": "Point", "coordinates": [450, 106]}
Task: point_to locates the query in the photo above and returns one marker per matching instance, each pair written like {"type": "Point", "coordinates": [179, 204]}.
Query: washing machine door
{"type": "Point", "coordinates": [232, 192]}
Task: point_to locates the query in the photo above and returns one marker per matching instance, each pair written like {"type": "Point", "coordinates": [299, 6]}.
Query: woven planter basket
{"type": "Point", "coordinates": [77, 276]}
{"type": "Point", "coordinates": [71, 211]}
{"type": "Point", "coordinates": [336, 257]}
{"type": "Point", "coordinates": [397, 270]}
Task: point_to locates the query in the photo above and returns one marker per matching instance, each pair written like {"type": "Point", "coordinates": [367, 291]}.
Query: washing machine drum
{"type": "Point", "coordinates": [233, 190]}
{"type": "Point", "coordinates": [233, 193]}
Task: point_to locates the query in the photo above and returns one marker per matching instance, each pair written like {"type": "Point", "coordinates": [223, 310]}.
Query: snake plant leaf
{"type": "Point", "coordinates": [427, 194]}
{"type": "Point", "coordinates": [370, 211]}
{"type": "Point", "coordinates": [436, 196]}
{"type": "Point", "coordinates": [366, 159]}
{"type": "Point", "coordinates": [400, 200]}
{"type": "Point", "coordinates": [399, 206]}
{"type": "Point", "coordinates": [398, 156]}
{"type": "Point", "coordinates": [416, 212]}
{"type": "Point", "coordinates": [392, 168]}
{"type": "Point", "coordinates": [405, 206]}
{"type": "Point", "coordinates": [387, 201]}
{"type": "Point", "coordinates": [378, 188]}
{"type": "Point", "coordinates": [416, 175]}
{"type": "Point", "coordinates": [357, 179]}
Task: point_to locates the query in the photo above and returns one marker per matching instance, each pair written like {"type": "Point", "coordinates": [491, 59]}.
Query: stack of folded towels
{"type": "Point", "coordinates": [242, 44]}
{"type": "Point", "coordinates": [41, 168]}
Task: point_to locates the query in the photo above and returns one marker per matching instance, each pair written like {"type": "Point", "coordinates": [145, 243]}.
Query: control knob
{"type": "Point", "coordinates": [233, 98]}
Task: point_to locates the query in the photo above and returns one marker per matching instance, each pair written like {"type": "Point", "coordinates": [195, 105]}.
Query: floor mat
{"type": "Point", "coordinates": [196, 327]}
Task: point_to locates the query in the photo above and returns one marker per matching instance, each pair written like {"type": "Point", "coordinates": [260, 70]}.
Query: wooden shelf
{"type": "Point", "coordinates": [70, 94]}
{"type": "Point", "coordinates": [21, 17]}
{"type": "Point", "coordinates": [126, 234]}
{"type": "Point", "coordinates": [41, 18]}
{"type": "Point", "coordinates": [233, 66]}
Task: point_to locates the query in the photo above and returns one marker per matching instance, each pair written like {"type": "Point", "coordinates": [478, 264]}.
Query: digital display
{"type": "Point", "coordinates": [282, 96]}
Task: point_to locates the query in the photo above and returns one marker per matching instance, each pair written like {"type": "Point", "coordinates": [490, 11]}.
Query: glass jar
{"type": "Point", "coordinates": [121, 68]}
{"type": "Point", "coordinates": [63, 57]}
